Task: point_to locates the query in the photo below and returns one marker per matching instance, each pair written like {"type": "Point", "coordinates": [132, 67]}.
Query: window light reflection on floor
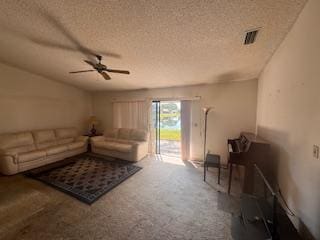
{"type": "Point", "coordinates": [170, 159]}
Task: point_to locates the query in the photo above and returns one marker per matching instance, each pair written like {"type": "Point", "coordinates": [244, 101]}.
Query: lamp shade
{"type": "Point", "coordinates": [93, 120]}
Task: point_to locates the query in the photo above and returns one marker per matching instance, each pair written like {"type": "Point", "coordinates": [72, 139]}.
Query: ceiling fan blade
{"type": "Point", "coordinates": [118, 71]}
{"type": "Point", "coordinates": [83, 71]}
{"type": "Point", "coordinates": [90, 63]}
{"type": "Point", "coordinates": [105, 75]}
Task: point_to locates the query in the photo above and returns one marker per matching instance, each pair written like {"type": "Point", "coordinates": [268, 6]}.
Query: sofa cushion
{"type": "Point", "coordinates": [111, 133]}
{"type": "Point", "coordinates": [82, 139]}
{"type": "Point", "coordinates": [114, 146]}
{"type": "Point", "coordinates": [46, 145]}
{"type": "Point", "coordinates": [138, 135]}
{"type": "Point", "coordinates": [44, 136]}
{"type": "Point", "coordinates": [65, 140]}
{"type": "Point", "coordinates": [76, 145]}
{"type": "Point", "coordinates": [66, 133]}
{"type": "Point", "coordinates": [124, 133]}
{"type": "Point", "coordinates": [16, 140]}
{"type": "Point", "coordinates": [97, 139]}
{"type": "Point", "coordinates": [56, 149]}
{"type": "Point", "coordinates": [33, 155]}
{"type": "Point", "coordinates": [23, 149]}
{"type": "Point", "coordinates": [127, 141]}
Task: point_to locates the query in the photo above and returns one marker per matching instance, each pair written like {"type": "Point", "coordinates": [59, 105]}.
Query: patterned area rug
{"type": "Point", "coordinates": [85, 177]}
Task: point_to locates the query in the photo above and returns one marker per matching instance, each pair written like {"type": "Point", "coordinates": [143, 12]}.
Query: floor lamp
{"type": "Point", "coordinates": [206, 112]}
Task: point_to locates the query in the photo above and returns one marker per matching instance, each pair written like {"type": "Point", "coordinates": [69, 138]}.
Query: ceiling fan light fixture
{"type": "Point", "coordinates": [101, 68]}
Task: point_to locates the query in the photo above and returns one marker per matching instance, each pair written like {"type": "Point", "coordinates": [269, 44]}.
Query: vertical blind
{"type": "Point", "coordinates": [133, 114]}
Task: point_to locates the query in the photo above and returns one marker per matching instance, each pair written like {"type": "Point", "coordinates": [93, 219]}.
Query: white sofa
{"type": "Point", "coordinates": [122, 143]}
{"type": "Point", "coordinates": [26, 150]}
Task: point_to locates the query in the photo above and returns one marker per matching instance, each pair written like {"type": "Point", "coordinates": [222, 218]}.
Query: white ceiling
{"type": "Point", "coordinates": [162, 42]}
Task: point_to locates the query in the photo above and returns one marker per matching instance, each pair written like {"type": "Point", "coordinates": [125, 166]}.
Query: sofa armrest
{"type": "Point", "coordinates": [82, 138]}
{"type": "Point", "coordinates": [97, 139]}
{"type": "Point", "coordinates": [8, 153]}
{"type": "Point", "coordinates": [139, 150]}
{"type": "Point", "coordinates": [8, 164]}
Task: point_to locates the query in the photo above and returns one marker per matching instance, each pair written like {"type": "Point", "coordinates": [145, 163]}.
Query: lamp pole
{"type": "Point", "coordinates": [205, 136]}
{"type": "Point", "coordinates": [206, 111]}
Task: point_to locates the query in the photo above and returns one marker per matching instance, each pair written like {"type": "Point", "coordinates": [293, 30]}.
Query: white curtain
{"type": "Point", "coordinates": [133, 114]}
{"type": "Point", "coordinates": [185, 129]}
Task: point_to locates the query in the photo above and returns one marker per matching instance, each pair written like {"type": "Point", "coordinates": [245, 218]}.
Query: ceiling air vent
{"type": "Point", "coordinates": [251, 36]}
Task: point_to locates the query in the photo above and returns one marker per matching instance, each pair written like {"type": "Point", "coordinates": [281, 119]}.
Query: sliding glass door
{"type": "Point", "coordinates": [166, 132]}
{"type": "Point", "coordinates": [156, 125]}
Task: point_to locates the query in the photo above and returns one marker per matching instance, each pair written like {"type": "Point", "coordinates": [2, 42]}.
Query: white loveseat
{"type": "Point", "coordinates": [123, 143]}
{"type": "Point", "coordinates": [26, 150]}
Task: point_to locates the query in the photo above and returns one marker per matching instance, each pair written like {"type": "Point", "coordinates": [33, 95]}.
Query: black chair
{"type": "Point", "coordinates": [212, 160]}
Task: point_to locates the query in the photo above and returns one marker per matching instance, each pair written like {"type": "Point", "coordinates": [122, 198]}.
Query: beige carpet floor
{"type": "Point", "coordinates": [167, 199]}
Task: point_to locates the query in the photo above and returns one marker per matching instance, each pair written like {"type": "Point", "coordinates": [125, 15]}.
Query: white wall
{"type": "Point", "coordinates": [29, 102]}
{"type": "Point", "coordinates": [289, 116]}
{"type": "Point", "coordinates": [234, 103]}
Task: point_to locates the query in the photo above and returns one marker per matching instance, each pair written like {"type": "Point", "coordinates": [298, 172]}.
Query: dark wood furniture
{"type": "Point", "coordinates": [91, 135]}
{"type": "Point", "coordinates": [212, 160]}
{"type": "Point", "coordinates": [247, 150]}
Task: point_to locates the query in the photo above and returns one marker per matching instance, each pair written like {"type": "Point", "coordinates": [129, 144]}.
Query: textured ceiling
{"type": "Point", "coordinates": [162, 42]}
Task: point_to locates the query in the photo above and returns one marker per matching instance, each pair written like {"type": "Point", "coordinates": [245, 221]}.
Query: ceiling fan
{"type": "Point", "coordinates": [101, 68]}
